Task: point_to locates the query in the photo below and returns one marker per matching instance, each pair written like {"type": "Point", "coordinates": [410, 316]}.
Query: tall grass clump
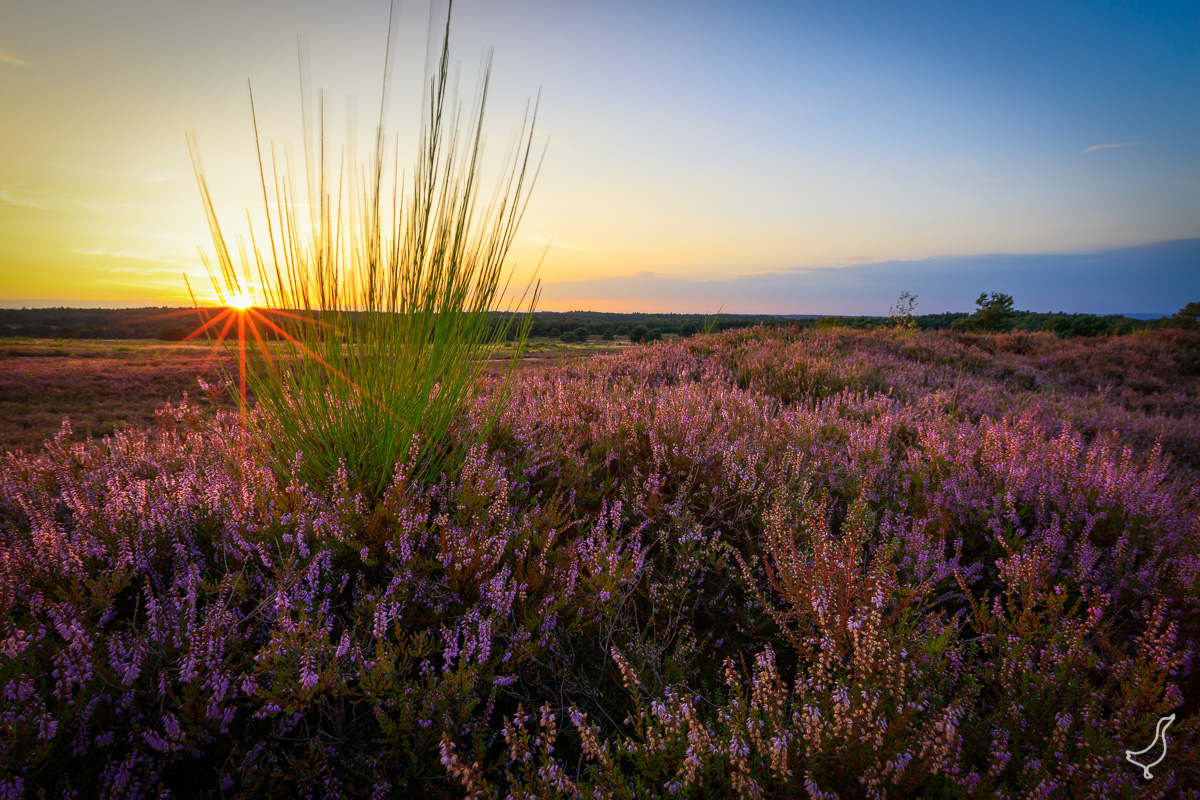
{"type": "Point", "coordinates": [382, 293]}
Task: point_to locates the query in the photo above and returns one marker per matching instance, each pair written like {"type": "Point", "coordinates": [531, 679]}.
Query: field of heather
{"type": "Point", "coordinates": [754, 564]}
{"type": "Point", "coordinates": [108, 385]}
{"type": "Point", "coordinates": [102, 386]}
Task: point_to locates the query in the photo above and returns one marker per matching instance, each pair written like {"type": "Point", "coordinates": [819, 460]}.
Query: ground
{"type": "Point", "coordinates": [104, 385]}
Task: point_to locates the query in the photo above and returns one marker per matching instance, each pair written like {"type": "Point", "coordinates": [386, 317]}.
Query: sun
{"type": "Point", "coordinates": [239, 309]}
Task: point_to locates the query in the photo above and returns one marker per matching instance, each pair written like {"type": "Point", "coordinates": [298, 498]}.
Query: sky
{"type": "Point", "coordinates": [773, 157]}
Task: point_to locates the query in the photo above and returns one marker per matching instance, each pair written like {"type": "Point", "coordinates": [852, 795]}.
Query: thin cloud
{"type": "Point", "coordinates": [18, 197]}
{"type": "Point", "coordinates": [7, 57]}
{"type": "Point", "coordinates": [154, 258]}
{"type": "Point", "coordinates": [9, 198]}
{"type": "Point", "coordinates": [543, 240]}
{"type": "Point", "coordinates": [94, 172]}
{"type": "Point", "coordinates": [1109, 145]}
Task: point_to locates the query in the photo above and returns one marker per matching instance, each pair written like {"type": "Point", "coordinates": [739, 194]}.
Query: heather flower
{"type": "Point", "coordinates": [779, 560]}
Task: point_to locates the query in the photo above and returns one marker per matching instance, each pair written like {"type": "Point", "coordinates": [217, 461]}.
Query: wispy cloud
{"type": "Point", "coordinates": [1109, 145]}
{"type": "Point", "coordinates": [847, 260]}
{"type": "Point", "coordinates": [151, 257]}
{"type": "Point", "coordinates": [94, 172]}
{"type": "Point", "coordinates": [15, 196]}
{"type": "Point", "coordinates": [543, 240]}
{"type": "Point", "coordinates": [8, 197]}
{"type": "Point", "coordinates": [147, 257]}
{"type": "Point", "coordinates": [102, 251]}
{"type": "Point", "coordinates": [8, 57]}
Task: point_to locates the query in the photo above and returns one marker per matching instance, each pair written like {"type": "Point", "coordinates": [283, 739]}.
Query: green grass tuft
{"type": "Point", "coordinates": [383, 299]}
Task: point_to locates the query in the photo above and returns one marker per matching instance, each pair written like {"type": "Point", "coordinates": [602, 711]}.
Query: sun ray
{"type": "Point", "coordinates": [229, 317]}
{"type": "Point", "coordinates": [241, 321]}
{"type": "Point", "coordinates": [308, 351]}
{"type": "Point", "coordinates": [207, 325]}
{"type": "Point", "coordinates": [250, 317]}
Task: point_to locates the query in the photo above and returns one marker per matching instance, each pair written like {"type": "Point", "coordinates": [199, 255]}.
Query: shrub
{"type": "Point", "coordinates": [900, 314]}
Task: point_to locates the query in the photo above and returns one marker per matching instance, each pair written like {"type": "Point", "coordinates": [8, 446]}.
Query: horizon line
{"type": "Point", "coordinates": [119, 305]}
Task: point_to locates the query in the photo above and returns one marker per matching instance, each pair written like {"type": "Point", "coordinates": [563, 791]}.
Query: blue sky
{"type": "Point", "coordinates": [711, 144]}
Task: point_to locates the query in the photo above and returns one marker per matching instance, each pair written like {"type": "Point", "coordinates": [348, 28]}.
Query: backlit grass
{"type": "Point", "coordinates": [383, 292]}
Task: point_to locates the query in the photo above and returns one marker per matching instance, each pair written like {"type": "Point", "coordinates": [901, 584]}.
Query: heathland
{"type": "Point", "coordinates": [763, 563]}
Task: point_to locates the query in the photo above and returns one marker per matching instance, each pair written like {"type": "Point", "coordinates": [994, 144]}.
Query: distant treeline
{"type": "Point", "coordinates": [99, 323]}
{"type": "Point", "coordinates": [173, 324]}
{"type": "Point", "coordinates": [575, 324]}
{"type": "Point", "coordinates": [1064, 325]}
{"type": "Point", "coordinates": [579, 325]}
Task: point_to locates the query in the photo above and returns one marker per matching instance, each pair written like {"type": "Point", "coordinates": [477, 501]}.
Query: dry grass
{"type": "Point", "coordinates": [105, 385]}
{"type": "Point", "coordinates": [100, 385]}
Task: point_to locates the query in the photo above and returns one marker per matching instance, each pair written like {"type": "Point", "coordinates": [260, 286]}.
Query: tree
{"type": "Point", "coordinates": [994, 315]}
{"type": "Point", "coordinates": [639, 334]}
{"type": "Point", "coordinates": [687, 329]}
{"type": "Point", "coordinates": [1187, 317]}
